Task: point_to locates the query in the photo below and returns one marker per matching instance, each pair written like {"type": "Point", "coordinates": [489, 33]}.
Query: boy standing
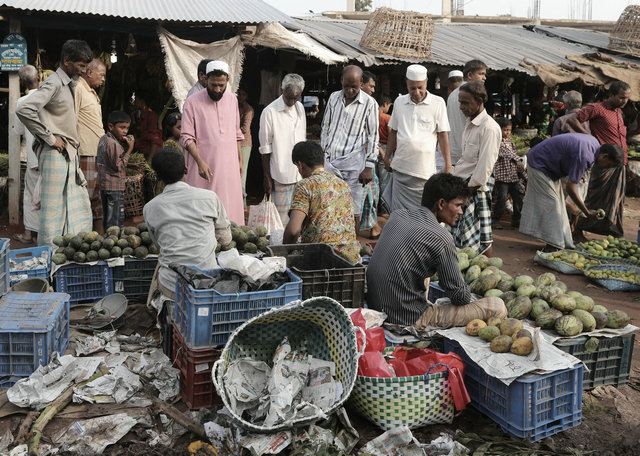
{"type": "Point", "coordinates": [506, 170]}
{"type": "Point", "coordinates": [112, 163]}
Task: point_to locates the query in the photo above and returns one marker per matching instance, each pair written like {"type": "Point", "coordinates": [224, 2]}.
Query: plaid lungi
{"type": "Point", "coordinates": [474, 227]}
{"type": "Point", "coordinates": [64, 201]}
{"type": "Point", "coordinates": [90, 171]}
{"type": "Point", "coordinates": [281, 196]}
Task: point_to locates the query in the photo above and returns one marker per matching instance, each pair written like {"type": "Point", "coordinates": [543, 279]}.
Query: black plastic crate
{"type": "Point", "coordinates": [324, 272]}
{"type": "Point", "coordinates": [134, 278]}
{"type": "Point", "coordinates": [609, 364]}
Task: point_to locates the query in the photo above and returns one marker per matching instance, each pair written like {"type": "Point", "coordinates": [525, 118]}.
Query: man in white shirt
{"type": "Point", "coordinates": [474, 70]}
{"type": "Point", "coordinates": [283, 124]}
{"type": "Point", "coordinates": [28, 76]}
{"type": "Point", "coordinates": [184, 221]}
{"type": "Point", "coordinates": [201, 82]}
{"type": "Point", "coordinates": [418, 124]}
{"type": "Point", "coordinates": [481, 140]}
{"type": "Point", "coordinates": [349, 135]}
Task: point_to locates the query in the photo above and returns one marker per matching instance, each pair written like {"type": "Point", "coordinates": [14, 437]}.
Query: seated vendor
{"type": "Point", "coordinates": [321, 209]}
{"type": "Point", "coordinates": [184, 221]}
{"type": "Point", "coordinates": [413, 246]}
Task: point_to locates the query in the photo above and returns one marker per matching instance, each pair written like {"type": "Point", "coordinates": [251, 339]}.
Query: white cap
{"type": "Point", "coordinates": [218, 65]}
{"type": "Point", "coordinates": [416, 73]}
{"type": "Point", "coordinates": [456, 74]}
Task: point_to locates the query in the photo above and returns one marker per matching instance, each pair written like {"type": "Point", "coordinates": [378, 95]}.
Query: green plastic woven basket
{"type": "Point", "coordinates": [404, 401]}
{"type": "Point", "coordinates": [320, 326]}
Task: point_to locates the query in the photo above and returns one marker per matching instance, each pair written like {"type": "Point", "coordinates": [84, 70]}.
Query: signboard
{"type": "Point", "coordinates": [13, 52]}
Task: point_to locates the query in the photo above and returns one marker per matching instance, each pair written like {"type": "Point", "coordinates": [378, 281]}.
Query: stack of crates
{"type": "Point", "coordinates": [21, 255]}
{"type": "Point", "coordinates": [324, 272]}
{"type": "Point", "coordinates": [202, 322]}
{"type": "Point", "coordinates": [32, 327]}
{"type": "Point", "coordinates": [84, 283]}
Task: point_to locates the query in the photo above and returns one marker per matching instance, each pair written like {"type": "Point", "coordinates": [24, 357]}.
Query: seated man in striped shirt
{"type": "Point", "coordinates": [414, 246]}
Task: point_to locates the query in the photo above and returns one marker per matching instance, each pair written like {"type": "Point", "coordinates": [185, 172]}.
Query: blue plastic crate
{"type": "Point", "coordinates": [435, 292]}
{"type": "Point", "coordinates": [22, 255]}
{"type": "Point", "coordinates": [533, 406]}
{"type": "Point", "coordinates": [134, 278]}
{"type": "Point", "coordinates": [4, 265]}
{"type": "Point", "coordinates": [85, 283]}
{"type": "Point", "coordinates": [206, 318]}
{"type": "Point", "coordinates": [32, 327]}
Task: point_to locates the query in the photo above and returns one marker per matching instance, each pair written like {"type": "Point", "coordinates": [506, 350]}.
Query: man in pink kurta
{"type": "Point", "coordinates": [210, 134]}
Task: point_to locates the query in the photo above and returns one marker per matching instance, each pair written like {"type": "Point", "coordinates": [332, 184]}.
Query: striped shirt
{"type": "Point", "coordinates": [349, 133]}
{"type": "Point", "coordinates": [412, 247]}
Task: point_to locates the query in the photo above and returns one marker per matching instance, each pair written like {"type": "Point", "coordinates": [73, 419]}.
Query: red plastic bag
{"type": "Point", "coordinates": [373, 364]}
{"type": "Point", "coordinates": [375, 336]}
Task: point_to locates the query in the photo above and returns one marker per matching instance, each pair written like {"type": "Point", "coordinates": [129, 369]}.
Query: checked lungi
{"type": "Point", "coordinates": [64, 201]}
{"type": "Point", "coordinates": [474, 226]}
{"type": "Point", "coordinates": [90, 171]}
{"type": "Point", "coordinates": [281, 196]}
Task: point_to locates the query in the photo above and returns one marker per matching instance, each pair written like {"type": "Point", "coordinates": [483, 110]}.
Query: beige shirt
{"type": "Point", "coordinates": [418, 125]}
{"type": "Point", "coordinates": [90, 127]}
{"type": "Point", "coordinates": [50, 111]}
{"type": "Point", "coordinates": [186, 222]}
{"type": "Point", "coordinates": [481, 140]}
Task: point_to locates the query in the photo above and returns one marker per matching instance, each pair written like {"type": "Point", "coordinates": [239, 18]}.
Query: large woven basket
{"type": "Point", "coordinates": [625, 36]}
{"type": "Point", "coordinates": [614, 284]}
{"type": "Point", "coordinates": [320, 326]}
{"type": "Point", "coordinates": [404, 401]}
{"type": "Point", "coordinates": [402, 34]}
{"type": "Point", "coordinates": [133, 195]}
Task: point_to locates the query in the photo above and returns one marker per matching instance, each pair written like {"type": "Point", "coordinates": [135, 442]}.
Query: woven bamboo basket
{"type": "Point", "coordinates": [626, 33]}
{"type": "Point", "coordinates": [402, 34]}
{"type": "Point", "coordinates": [133, 195]}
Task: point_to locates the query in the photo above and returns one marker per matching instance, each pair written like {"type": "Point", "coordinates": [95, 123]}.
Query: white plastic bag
{"type": "Point", "coordinates": [266, 214]}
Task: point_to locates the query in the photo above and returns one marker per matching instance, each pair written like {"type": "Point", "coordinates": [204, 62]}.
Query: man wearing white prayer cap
{"type": "Point", "coordinates": [211, 135]}
{"type": "Point", "coordinates": [454, 80]}
{"type": "Point", "coordinates": [417, 127]}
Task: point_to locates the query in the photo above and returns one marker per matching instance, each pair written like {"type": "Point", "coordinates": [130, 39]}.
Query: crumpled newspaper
{"type": "Point", "coordinates": [118, 386]}
{"type": "Point", "coordinates": [445, 446]}
{"type": "Point", "coordinates": [245, 382]}
{"type": "Point", "coordinates": [94, 435]}
{"type": "Point", "coordinates": [395, 442]}
{"type": "Point", "coordinates": [48, 382]}
{"type": "Point", "coordinates": [156, 367]}
{"type": "Point", "coordinates": [92, 344]}
{"type": "Point", "coordinates": [41, 261]}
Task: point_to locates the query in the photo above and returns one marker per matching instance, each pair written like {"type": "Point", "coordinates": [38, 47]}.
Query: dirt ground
{"type": "Point", "coordinates": [611, 417]}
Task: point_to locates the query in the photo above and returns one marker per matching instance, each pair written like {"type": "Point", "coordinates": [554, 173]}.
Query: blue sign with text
{"type": "Point", "coordinates": [13, 52]}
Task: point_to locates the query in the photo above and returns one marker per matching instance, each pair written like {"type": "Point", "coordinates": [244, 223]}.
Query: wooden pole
{"type": "Point", "coordinates": [14, 140]}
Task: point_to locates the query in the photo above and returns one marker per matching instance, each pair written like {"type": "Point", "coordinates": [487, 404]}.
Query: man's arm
{"type": "Point", "coordinates": [221, 223]}
{"type": "Point", "coordinates": [294, 227]}
{"type": "Point", "coordinates": [373, 134]}
{"type": "Point", "coordinates": [450, 277]}
{"type": "Point", "coordinates": [28, 112]}
{"type": "Point", "coordinates": [188, 140]}
{"type": "Point", "coordinates": [239, 136]}
{"type": "Point", "coordinates": [325, 126]}
{"type": "Point", "coordinates": [584, 115]}
{"type": "Point", "coordinates": [445, 150]}
{"type": "Point", "coordinates": [265, 135]}
{"type": "Point", "coordinates": [572, 190]}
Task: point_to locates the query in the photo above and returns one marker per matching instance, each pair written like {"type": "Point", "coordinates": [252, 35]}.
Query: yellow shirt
{"type": "Point", "coordinates": [90, 127]}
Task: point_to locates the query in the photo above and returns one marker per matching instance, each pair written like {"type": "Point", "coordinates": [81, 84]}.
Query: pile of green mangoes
{"type": "Point", "coordinates": [246, 239]}
{"type": "Point", "coordinates": [503, 336]}
{"type": "Point", "coordinates": [615, 274]}
{"type": "Point", "coordinates": [614, 248]}
{"type": "Point", "coordinates": [573, 258]}
{"type": "Point", "coordinates": [91, 246]}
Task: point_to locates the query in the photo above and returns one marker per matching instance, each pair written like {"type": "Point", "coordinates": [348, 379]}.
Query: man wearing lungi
{"type": "Point", "coordinates": [90, 130]}
{"type": "Point", "coordinates": [418, 124]}
{"type": "Point", "coordinates": [570, 155]}
{"type": "Point", "coordinates": [349, 135]}
{"type": "Point", "coordinates": [481, 140]}
{"type": "Point", "coordinates": [49, 114]}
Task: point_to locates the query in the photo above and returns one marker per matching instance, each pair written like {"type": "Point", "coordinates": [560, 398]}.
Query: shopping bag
{"type": "Point", "coordinates": [266, 214]}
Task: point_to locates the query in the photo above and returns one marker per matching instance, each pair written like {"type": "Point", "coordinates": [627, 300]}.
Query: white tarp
{"type": "Point", "coordinates": [181, 58]}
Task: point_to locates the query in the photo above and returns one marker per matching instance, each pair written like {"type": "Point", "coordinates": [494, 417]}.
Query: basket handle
{"type": "Point", "coordinates": [364, 340]}
{"type": "Point", "coordinates": [214, 377]}
{"type": "Point", "coordinates": [436, 365]}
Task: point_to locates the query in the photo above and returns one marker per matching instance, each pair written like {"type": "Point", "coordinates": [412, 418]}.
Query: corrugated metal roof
{"type": "Point", "coordinates": [581, 36]}
{"type": "Point", "coordinates": [207, 11]}
{"type": "Point", "coordinates": [501, 47]}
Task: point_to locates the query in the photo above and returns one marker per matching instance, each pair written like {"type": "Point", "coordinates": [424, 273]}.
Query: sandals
{"type": "Point", "coordinates": [20, 238]}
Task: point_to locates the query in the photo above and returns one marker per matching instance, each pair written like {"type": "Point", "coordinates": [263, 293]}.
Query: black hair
{"type": "Point", "coordinates": [613, 153]}
{"type": "Point", "coordinates": [116, 117]}
{"type": "Point", "coordinates": [533, 142]}
{"type": "Point", "coordinates": [385, 99]}
{"type": "Point", "coordinates": [472, 66]}
{"type": "Point", "coordinates": [202, 66]}
{"type": "Point", "coordinates": [76, 51]}
{"type": "Point", "coordinates": [618, 87]}
{"type": "Point", "coordinates": [308, 152]}
{"type": "Point", "coordinates": [476, 89]}
{"type": "Point", "coordinates": [504, 122]}
{"type": "Point", "coordinates": [169, 122]}
{"type": "Point", "coordinates": [367, 76]}
{"type": "Point", "coordinates": [216, 73]}
{"type": "Point", "coordinates": [168, 164]}
{"type": "Point", "coordinates": [443, 186]}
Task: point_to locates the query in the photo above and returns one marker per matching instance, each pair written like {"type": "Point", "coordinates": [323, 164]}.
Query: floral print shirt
{"type": "Point", "coordinates": [326, 200]}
